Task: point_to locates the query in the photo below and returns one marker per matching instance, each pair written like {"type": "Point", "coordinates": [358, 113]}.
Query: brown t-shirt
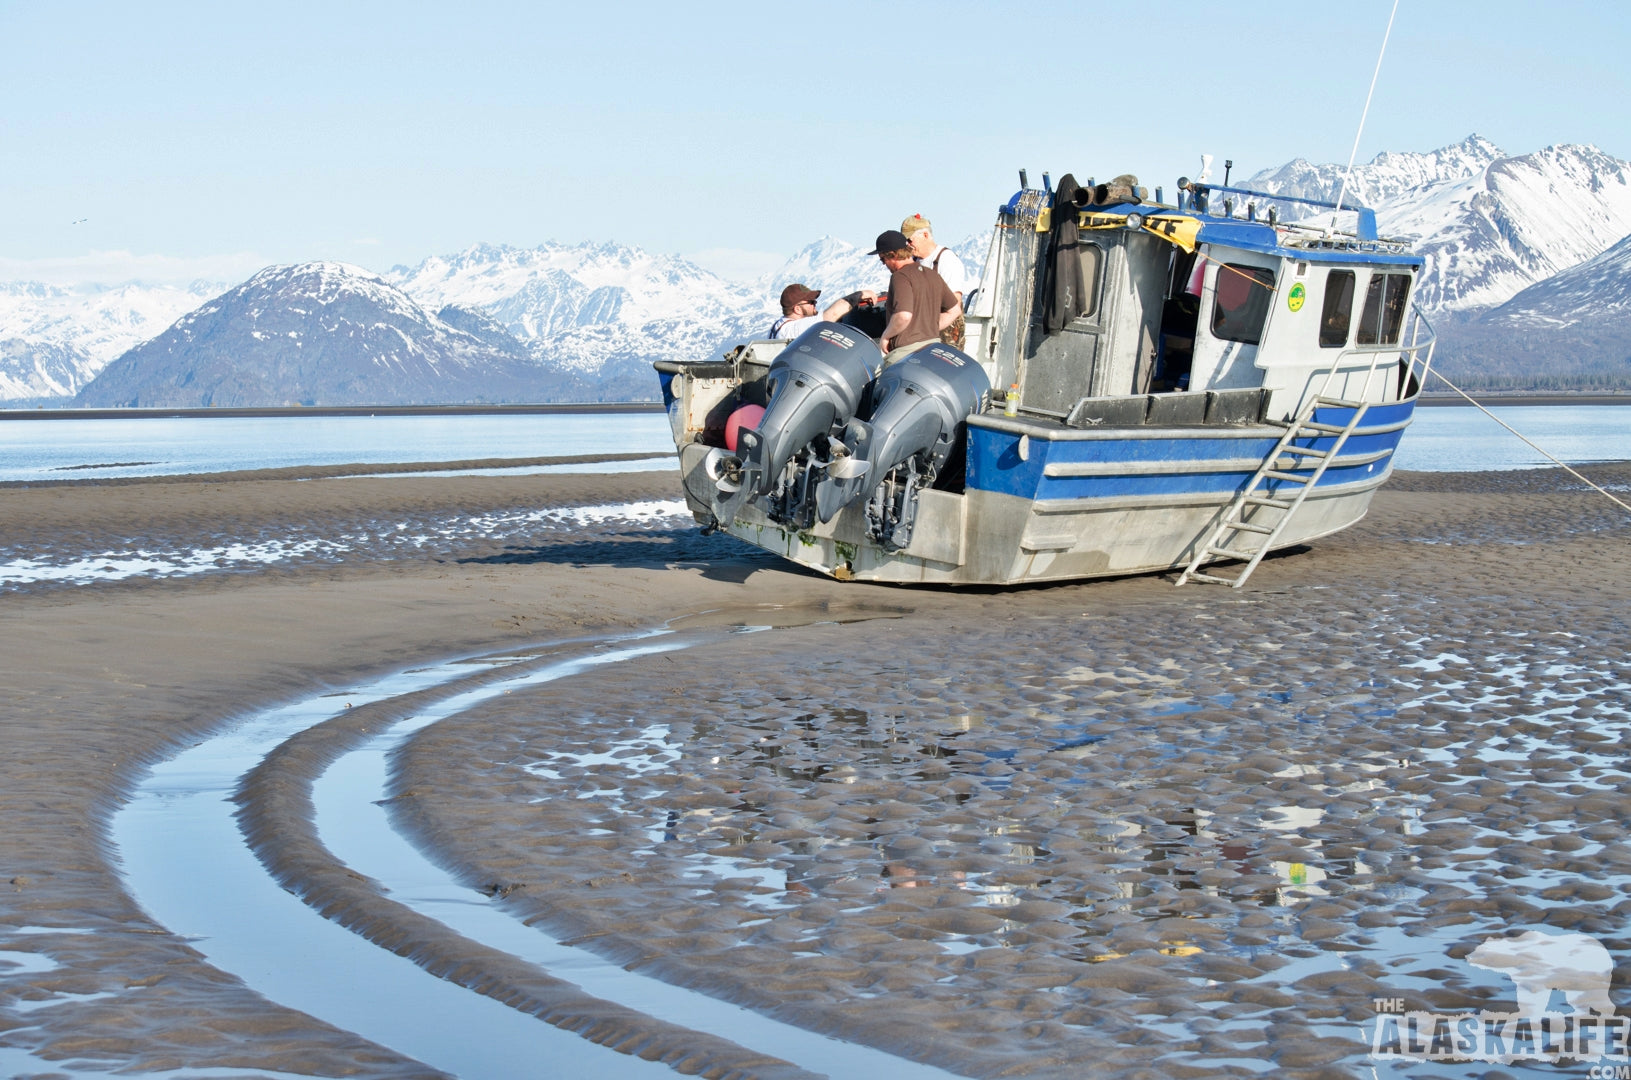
{"type": "Point", "coordinates": [918, 289]}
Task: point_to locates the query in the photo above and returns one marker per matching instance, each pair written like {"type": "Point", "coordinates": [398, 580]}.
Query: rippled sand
{"type": "Point", "coordinates": [1115, 827]}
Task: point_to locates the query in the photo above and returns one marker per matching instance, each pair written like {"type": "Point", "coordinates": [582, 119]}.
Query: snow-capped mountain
{"type": "Point", "coordinates": [1489, 225]}
{"type": "Point", "coordinates": [607, 311]}
{"type": "Point", "coordinates": [316, 333]}
{"type": "Point", "coordinates": [833, 266]}
{"type": "Point", "coordinates": [53, 340]}
{"type": "Point", "coordinates": [1385, 177]}
{"type": "Point", "coordinates": [582, 322]}
{"type": "Point", "coordinates": [1596, 291]}
{"type": "Point", "coordinates": [40, 370]}
{"type": "Point", "coordinates": [1539, 233]}
{"type": "Point", "coordinates": [837, 267]}
{"type": "Point", "coordinates": [1570, 331]}
{"type": "Point", "coordinates": [553, 287]}
{"type": "Point", "coordinates": [586, 306]}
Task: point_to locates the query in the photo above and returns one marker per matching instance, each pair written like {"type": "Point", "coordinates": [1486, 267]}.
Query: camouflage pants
{"type": "Point", "coordinates": [955, 334]}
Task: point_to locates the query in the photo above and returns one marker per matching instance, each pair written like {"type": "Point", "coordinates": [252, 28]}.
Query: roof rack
{"type": "Point", "coordinates": [1199, 194]}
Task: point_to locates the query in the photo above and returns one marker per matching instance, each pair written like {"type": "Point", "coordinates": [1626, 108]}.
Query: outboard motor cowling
{"type": "Point", "coordinates": [815, 388]}
{"type": "Point", "coordinates": [915, 410]}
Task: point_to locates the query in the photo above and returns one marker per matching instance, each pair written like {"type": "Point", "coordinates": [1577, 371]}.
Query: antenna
{"type": "Point", "coordinates": [1343, 190]}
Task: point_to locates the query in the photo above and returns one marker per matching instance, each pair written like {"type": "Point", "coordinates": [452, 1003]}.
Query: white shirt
{"type": "Point", "coordinates": [951, 270]}
{"type": "Point", "coordinates": [792, 328]}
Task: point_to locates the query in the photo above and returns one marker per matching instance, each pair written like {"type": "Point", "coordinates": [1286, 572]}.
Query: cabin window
{"type": "Point", "coordinates": [1240, 305]}
{"type": "Point", "coordinates": [1383, 317]}
{"type": "Point", "coordinates": [1339, 309]}
{"type": "Point", "coordinates": [1092, 259]}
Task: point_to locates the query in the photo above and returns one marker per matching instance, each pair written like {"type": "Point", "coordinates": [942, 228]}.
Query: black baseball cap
{"type": "Point", "coordinates": [893, 240]}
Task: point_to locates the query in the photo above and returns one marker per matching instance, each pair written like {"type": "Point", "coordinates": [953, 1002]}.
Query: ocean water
{"type": "Point", "coordinates": [1464, 439]}
{"type": "Point", "coordinates": [1441, 439]}
{"type": "Point", "coordinates": [164, 446]}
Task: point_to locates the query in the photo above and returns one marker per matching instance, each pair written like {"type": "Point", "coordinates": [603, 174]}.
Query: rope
{"type": "Point", "coordinates": [1259, 282]}
{"type": "Point", "coordinates": [1532, 446]}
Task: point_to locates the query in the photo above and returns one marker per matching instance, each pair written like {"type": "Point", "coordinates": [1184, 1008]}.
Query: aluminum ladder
{"type": "Point", "coordinates": [1254, 501]}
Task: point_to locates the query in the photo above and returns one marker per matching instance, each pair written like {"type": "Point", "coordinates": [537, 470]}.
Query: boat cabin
{"type": "Point", "coordinates": [1169, 300]}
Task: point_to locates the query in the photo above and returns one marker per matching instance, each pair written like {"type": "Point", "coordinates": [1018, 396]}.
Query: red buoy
{"type": "Point", "coordinates": [748, 416]}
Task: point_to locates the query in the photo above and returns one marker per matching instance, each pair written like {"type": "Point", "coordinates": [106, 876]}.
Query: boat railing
{"type": "Point", "coordinates": [1415, 356]}
{"type": "Point", "coordinates": [1197, 196]}
{"type": "Point", "coordinates": [1419, 351]}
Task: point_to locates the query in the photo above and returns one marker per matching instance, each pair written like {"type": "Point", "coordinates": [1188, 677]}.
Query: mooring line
{"type": "Point", "coordinates": [1550, 457]}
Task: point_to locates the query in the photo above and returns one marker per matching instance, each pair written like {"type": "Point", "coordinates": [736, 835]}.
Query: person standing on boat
{"type": "Point", "coordinates": [920, 303]}
{"type": "Point", "coordinates": [943, 261]}
{"type": "Point", "coordinates": [799, 311]}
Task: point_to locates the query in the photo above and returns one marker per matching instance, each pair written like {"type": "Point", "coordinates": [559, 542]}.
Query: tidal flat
{"type": "Point", "coordinates": [1112, 828]}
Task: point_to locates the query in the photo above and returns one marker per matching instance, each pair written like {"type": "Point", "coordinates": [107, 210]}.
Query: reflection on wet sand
{"type": "Point", "coordinates": [1237, 832]}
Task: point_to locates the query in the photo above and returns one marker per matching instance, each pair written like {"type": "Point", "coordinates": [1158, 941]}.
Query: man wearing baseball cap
{"type": "Point", "coordinates": [920, 304]}
{"type": "Point", "coordinates": [799, 311]}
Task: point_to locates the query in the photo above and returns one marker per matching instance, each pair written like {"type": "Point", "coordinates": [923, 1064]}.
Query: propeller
{"type": "Point", "coordinates": [848, 468]}
{"type": "Point", "coordinates": [724, 469]}
{"type": "Point", "coordinates": [844, 464]}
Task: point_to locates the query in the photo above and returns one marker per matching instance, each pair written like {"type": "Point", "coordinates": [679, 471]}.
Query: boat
{"type": "Point", "coordinates": [1183, 386]}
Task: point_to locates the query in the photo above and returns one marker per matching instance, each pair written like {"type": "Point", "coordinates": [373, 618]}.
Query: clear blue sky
{"type": "Point", "coordinates": [216, 138]}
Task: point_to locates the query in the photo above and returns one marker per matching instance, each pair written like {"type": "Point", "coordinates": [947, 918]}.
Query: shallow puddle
{"type": "Point", "coordinates": [187, 863]}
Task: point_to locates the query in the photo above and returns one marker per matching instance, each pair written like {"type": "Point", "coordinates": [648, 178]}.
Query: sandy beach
{"type": "Point", "coordinates": [1113, 829]}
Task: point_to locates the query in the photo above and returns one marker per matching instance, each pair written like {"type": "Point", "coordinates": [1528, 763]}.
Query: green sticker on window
{"type": "Point", "coordinates": [1298, 294]}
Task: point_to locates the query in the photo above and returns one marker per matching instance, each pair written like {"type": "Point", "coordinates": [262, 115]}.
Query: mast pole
{"type": "Point", "coordinates": [1343, 190]}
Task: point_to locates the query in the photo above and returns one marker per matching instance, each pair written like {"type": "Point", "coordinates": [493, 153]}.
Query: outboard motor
{"type": "Point", "coordinates": [815, 388]}
{"type": "Point", "coordinates": [915, 413]}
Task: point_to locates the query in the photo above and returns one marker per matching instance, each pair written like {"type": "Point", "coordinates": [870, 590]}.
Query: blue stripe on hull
{"type": "Point", "coordinates": [994, 462]}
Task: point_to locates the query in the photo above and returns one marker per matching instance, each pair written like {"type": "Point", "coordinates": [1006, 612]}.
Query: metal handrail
{"type": "Point", "coordinates": [1417, 322]}
{"type": "Point", "coordinates": [1410, 354]}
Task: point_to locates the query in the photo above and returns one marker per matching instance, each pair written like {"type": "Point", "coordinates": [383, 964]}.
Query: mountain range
{"type": "Point", "coordinates": [1527, 264]}
{"type": "Point", "coordinates": [1489, 225]}
{"type": "Point", "coordinates": [330, 333]}
{"type": "Point", "coordinates": [1528, 270]}
{"type": "Point", "coordinates": [490, 324]}
{"type": "Point", "coordinates": [1570, 331]}
{"type": "Point", "coordinates": [54, 340]}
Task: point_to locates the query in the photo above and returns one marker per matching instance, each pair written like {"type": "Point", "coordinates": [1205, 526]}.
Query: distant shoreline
{"type": "Point", "coordinates": [544, 408]}
{"type": "Point", "coordinates": [1492, 399]}
{"type": "Point", "coordinates": [334, 410]}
